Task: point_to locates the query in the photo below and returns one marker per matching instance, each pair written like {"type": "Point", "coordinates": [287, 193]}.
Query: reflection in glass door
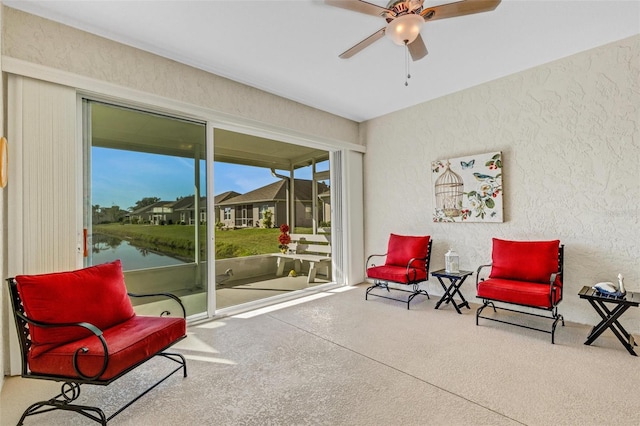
{"type": "Point", "coordinates": [146, 200]}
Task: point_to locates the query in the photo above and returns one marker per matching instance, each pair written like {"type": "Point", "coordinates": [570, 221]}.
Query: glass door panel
{"type": "Point", "coordinates": [147, 200]}
{"type": "Point", "coordinates": [261, 184]}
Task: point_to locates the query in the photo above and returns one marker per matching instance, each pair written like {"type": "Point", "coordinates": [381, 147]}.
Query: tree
{"type": "Point", "coordinates": [146, 201]}
{"type": "Point", "coordinates": [267, 219]}
{"type": "Point", "coordinates": [107, 214]}
{"type": "Point", "coordinates": [114, 214]}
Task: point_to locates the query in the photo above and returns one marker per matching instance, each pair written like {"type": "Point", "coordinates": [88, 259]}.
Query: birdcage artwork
{"type": "Point", "coordinates": [449, 190]}
{"type": "Point", "coordinates": [468, 189]}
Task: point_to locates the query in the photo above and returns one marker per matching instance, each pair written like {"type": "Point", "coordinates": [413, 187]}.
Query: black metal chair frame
{"type": "Point", "coordinates": [553, 309]}
{"type": "Point", "coordinates": [414, 283]}
{"type": "Point", "coordinates": [70, 388]}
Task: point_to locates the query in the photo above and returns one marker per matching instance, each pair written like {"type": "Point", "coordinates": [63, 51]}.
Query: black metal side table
{"type": "Point", "coordinates": [455, 282]}
{"type": "Point", "coordinates": [610, 316]}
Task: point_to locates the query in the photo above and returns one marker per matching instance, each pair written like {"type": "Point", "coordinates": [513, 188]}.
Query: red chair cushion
{"type": "Point", "coordinates": [96, 295]}
{"type": "Point", "coordinates": [403, 248]}
{"type": "Point", "coordinates": [519, 292]}
{"type": "Point", "coordinates": [129, 343]}
{"type": "Point", "coordinates": [397, 274]}
{"type": "Point", "coordinates": [532, 261]}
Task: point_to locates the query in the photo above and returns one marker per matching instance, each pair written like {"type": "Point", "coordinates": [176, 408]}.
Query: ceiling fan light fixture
{"type": "Point", "coordinates": [404, 29]}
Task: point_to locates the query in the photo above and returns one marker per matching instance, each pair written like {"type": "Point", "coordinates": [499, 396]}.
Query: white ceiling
{"type": "Point", "coordinates": [290, 48]}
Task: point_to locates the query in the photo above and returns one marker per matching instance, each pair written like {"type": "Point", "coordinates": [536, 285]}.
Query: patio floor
{"type": "Point", "coordinates": [257, 288]}
{"type": "Point", "coordinates": [236, 293]}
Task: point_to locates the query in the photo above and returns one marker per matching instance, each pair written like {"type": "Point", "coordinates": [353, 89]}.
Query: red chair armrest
{"type": "Point", "coordinates": [169, 295]}
{"type": "Point", "coordinates": [413, 268]}
{"type": "Point", "coordinates": [367, 266]}
{"type": "Point", "coordinates": [480, 268]}
{"type": "Point", "coordinates": [92, 328]}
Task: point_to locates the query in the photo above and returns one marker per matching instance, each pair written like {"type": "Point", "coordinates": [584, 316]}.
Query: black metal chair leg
{"type": "Point", "coordinates": [554, 316]}
{"type": "Point", "coordinates": [416, 290]}
{"type": "Point", "coordinates": [485, 303]}
{"type": "Point", "coordinates": [553, 327]}
{"type": "Point", "coordinates": [93, 413]}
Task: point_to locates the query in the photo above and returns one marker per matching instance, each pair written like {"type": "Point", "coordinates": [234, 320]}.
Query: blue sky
{"type": "Point", "coordinates": [120, 178]}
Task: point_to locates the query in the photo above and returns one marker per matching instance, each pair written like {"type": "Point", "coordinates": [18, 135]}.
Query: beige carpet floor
{"type": "Point", "coordinates": [341, 360]}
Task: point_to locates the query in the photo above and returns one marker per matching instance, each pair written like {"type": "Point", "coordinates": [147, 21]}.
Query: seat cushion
{"type": "Point", "coordinates": [397, 274]}
{"type": "Point", "coordinates": [532, 261]}
{"type": "Point", "coordinates": [402, 248]}
{"type": "Point", "coordinates": [96, 295]}
{"type": "Point", "coordinates": [129, 343]}
{"type": "Point", "coordinates": [519, 292]}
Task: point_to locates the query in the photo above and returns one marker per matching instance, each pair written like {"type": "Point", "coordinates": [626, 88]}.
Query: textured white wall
{"type": "Point", "coordinates": [570, 138]}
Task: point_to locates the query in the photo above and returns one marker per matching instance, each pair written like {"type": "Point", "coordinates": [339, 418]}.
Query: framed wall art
{"type": "Point", "coordinates": [468, 189]}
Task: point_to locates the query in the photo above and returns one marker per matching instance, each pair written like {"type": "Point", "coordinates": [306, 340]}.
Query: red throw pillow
{"type": "Point", "coordinates": [403, 248]}
{"type": "Point", "coordinates": [96, 295]}
{"type": "Point", "coordinates": [532, 261]}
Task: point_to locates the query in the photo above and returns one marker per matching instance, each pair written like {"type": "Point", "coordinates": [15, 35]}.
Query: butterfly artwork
{"type": "Point", "coordinates": [477, 180]}
{"type": "Point", "coordinates": [467, 165]}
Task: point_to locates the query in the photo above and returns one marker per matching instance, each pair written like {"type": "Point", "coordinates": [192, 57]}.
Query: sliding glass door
{"type": "Point", "coordinates": [259, 185]}
{"type": "Point", "coordinates": [145, 202]}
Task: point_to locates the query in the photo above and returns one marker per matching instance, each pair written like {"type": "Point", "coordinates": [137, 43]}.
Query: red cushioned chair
{"type": "Point", "coordinates": [523, 273]}
{"type": "Point", "coordinates": [79, 327]}
{"type": "Point", "coordinates": [406, 263]}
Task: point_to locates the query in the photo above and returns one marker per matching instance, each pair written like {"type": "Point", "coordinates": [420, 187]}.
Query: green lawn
{"type": "Point", "coordinates": [179, 239]}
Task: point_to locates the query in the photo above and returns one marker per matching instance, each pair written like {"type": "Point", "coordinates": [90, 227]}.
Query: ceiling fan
{"type": "Point", "coordinates": [404, 19]}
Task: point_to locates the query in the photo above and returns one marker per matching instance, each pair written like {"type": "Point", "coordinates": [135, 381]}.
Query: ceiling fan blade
{"type": "Point", "coordinates": [359, 6]}
{"type": "Point", "coordinates": [417, 48]}
{"type": "Point", "coordinates": [364, 43]}
{"type": "Point", "coordinates": [460, 8]}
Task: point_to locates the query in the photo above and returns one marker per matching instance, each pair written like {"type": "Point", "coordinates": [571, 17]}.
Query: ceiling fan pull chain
{"type": "Point", "coordinates": [406, 63]}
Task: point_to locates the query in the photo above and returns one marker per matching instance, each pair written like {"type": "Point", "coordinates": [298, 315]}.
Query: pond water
{"type": "Point", "coordinates": [108, 249]}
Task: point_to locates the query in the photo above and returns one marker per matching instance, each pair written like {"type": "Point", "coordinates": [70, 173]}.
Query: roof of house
{"type": "Point", "coordinates": [150, 207]}
{"type": "Point", "coordinates": [225, 196]}
{"type": "Point", "coordinates": [187, 203]}
{"type": "Point", "coordinates": [273, 192]}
